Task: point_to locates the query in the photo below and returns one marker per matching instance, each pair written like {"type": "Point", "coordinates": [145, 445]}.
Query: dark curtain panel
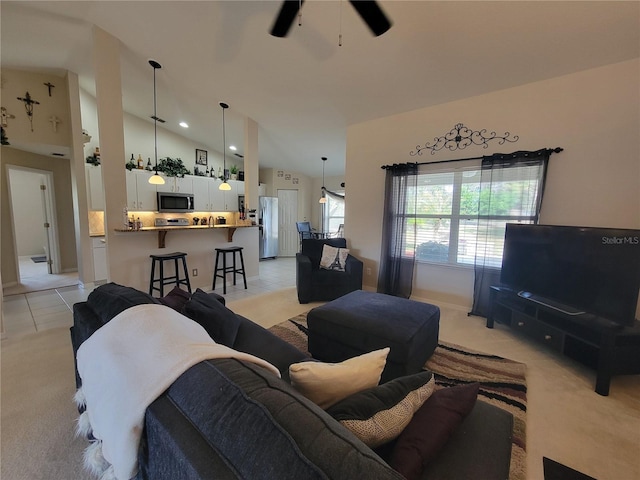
{"type": "Point", "coordinates": [501, 184]}
{"type": "Point", "coordinates": [397, 257]}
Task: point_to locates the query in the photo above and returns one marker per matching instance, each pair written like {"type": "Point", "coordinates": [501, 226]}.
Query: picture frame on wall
{"type": "Point", "coordinates": [201, 157]}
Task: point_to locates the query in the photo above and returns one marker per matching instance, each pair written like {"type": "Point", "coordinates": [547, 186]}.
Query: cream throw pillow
{"type": "Point", "coordinates": [334, 258]}
{"type": "Point", "coordinates": [328, 383]}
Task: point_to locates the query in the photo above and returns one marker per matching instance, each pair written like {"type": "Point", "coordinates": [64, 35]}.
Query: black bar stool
{"type": "Point", "coordinates": [162, 280]}
{"type": "Point", "coordinates": [222, 271]}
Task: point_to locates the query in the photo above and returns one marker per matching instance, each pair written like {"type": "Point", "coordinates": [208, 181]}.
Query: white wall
{"type": "Point", "coordinates": [593, 115]}
{"type": "Point", "coordinates": [16, 83]}
{"type": "Point", "coordinates": [139, 139]}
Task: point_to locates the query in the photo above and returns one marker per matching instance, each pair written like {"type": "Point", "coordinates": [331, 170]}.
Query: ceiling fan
{"type": "Point", "coordinates": [369, 11]}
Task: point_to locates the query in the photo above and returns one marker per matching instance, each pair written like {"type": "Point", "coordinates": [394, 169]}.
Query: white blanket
{"type": "Point", "coordinates": [128, 363]}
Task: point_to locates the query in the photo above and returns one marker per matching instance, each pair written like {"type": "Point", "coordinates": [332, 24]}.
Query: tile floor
{"type": "Point", "coordinates": [37, 311]}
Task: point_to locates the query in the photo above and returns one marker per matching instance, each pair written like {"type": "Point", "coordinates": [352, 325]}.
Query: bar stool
{"type": "Point", "coordinates": [222, 272]}
{"type": "Point", "coordinates": [162, 280]}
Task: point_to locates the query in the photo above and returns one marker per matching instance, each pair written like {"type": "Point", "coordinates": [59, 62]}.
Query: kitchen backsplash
{"type": "Point", "coordinates": [96, 223]}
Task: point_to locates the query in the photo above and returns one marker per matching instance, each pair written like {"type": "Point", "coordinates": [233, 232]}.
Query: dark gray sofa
{"type": "Point", "coordinates": [228, 419]}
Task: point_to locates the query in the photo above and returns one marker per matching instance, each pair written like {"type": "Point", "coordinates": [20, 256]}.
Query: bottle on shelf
{"type": "Point", "coordinates": [96, 155]}
{"type": "Point", "coordinates": [140, 162]}
{"type": "Point", "coordinates": [125, 218]}
{"type": "Point", "coordinates": [138, 224]}
{"type": "Point", "coordinates": [149, 166]}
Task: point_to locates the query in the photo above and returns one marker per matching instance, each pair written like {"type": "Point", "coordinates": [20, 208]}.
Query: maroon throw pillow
{"type": "Point", "coordinates": [431, 427]}
{"type": "Point", "coordinates": [175, 299]}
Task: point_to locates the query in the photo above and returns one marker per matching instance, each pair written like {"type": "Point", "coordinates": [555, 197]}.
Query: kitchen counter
{"type": "Point", "coordinates": [162, 231]}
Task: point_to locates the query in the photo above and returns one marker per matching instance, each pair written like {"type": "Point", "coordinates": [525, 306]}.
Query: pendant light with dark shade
{"type": "Point", "coordinates": [155, 179]}
{"type": "Point", "coordinates": [224, 185]}
{"type": "Point", "coordinates": [323, 198]}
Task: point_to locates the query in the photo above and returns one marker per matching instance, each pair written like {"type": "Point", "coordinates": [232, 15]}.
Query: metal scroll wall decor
{"type": "Point", "coordinates": [460, 137]}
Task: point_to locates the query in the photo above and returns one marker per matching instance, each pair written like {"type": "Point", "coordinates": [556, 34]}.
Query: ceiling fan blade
{"type": "Point", "coordinates": [285, 17]}
{"type": "Point", "coordinates": [372, 15]}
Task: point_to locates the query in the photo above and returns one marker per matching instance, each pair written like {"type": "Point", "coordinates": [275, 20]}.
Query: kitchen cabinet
{"type": "Point", "coordinates": [177, 185]}
{"type": "Point", "coordinates": [207, 196]}
{"type": "Point", "coordinates": [99, 251]}
{"type": "Point", "coordinates": [231, 196]}
{"type": "Point", "coordinates": [95, 189]}
{"type": "Point", "coordinates": [141, 195]}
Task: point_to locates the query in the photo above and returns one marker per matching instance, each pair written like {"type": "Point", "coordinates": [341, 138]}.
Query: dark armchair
{"type": "Point", "coordinates": [315, 283]}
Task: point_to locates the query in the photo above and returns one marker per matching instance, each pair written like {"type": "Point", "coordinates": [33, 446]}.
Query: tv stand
{"type": "Point", "coordinates": [594, 341]}
{"type": "Point", "coordinates": [547, 302]}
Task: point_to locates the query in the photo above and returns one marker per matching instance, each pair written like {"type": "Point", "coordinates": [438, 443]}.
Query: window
{"type": "Point", "coordinates": [449, 204]}
{"type": "Point", "coordinates": [333, 213]}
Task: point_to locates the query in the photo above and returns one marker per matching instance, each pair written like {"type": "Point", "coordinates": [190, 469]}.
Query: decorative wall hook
{"type": "Point", "coordinates": [460, 137]}
{"type": "Point", "coordinates": [28, 106]}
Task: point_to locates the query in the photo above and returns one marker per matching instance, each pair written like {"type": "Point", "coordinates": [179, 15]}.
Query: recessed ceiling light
{"type": "Point", "coordinates": [232, 147]}
{"type": "Point", "coordinates": [184, 124]}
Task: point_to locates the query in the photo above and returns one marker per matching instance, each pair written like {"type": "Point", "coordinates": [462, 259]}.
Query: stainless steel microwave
{"type": "Point", "coordinates": [175, 202]}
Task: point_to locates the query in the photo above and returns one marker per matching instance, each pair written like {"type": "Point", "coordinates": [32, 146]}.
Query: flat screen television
{"type": "Point", "coordinates": [575, 269]}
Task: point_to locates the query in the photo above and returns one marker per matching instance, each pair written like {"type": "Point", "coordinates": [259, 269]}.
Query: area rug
{"type": "Point", "coordinates": [502, 381]}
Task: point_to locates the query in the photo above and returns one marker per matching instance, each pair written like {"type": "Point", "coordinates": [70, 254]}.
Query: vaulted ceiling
{"type": "Point", "coordinates": [304, 90]}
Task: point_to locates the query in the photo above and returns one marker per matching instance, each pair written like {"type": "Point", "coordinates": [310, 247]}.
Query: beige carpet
{"type": "Point", "coordinates": [38, 415]}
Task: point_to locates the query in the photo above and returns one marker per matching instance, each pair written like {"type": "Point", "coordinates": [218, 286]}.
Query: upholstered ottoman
{"type": "Point", "coordinates": [361, 322]}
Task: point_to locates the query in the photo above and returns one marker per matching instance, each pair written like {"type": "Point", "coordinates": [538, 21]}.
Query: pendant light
{"type": "Point", "coordinates": [155, 179]}
{"type": "Point", "coordinates": [323, 198]}
{"type": "Point", "coordinates": [224, 185]}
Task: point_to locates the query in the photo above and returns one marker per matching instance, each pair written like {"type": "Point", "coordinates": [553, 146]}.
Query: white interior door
{"type": "Point", "coordinates": [288, 241]}
{"type": "Point", "coordinates": [32, 204]}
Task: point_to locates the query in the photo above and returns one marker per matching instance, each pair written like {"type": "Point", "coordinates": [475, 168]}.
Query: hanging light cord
{"type": "Point", "coordinates": [340, 34]}
{"type": "Point", "coordinates": [155, 120]}
{"type": "Point", "coordinates": [224, 143]}
{"type": "Point", "coordinates": [224, 185]}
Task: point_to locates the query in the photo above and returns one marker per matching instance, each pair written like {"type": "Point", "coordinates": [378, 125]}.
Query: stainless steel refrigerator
{"type": "Point", "coordinates": [268, 224]}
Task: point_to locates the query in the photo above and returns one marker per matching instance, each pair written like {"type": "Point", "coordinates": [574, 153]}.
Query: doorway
{"type": "Point", "coordinates": [288, 240]}
{"type": "Point", "coordinates": [32, 206]}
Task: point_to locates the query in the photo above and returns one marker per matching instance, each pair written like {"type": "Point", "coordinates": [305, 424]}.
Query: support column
{"type": "Point", "coordinates": [251, 164]}
{"type": "Point", "coordinates": [106, 53]}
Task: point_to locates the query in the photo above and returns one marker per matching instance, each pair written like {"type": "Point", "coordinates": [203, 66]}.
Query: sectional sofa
{"type": "Point", "coordinates": [228, 419]}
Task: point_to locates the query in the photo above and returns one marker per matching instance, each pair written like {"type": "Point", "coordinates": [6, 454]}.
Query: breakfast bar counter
{"type": "Point", "coordinates": [162, 231]}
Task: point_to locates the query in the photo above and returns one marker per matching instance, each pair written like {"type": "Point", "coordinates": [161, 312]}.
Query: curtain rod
{"type": "Point", "coordinates": [386, 167]}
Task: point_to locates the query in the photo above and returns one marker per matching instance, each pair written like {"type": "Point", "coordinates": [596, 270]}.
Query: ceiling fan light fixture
{"type": "Point", "coordinates": [155, 179]}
